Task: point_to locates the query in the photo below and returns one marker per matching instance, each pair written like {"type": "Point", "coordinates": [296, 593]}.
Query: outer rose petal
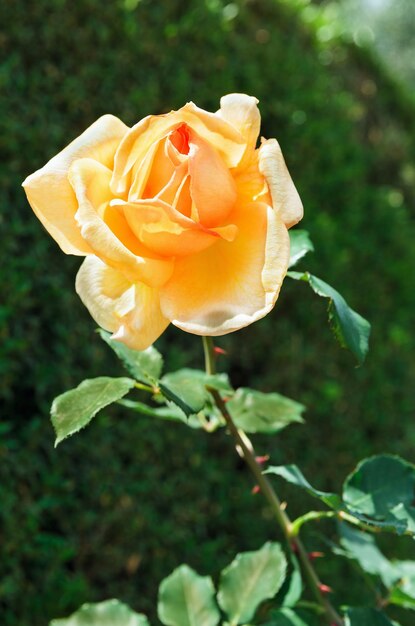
{"type": "Point", "coordinates": [90, 181]}
{"type": "Point", "coordinates": [129, 310]}
{"type": "Point", "coordinates": [285, 198]}
{"type": "Point", "coordinates": [230, 285]}
{"type": "Point", "coordinates": [242, 112]}
{"type": "Point", "coordinates": [50, 193]}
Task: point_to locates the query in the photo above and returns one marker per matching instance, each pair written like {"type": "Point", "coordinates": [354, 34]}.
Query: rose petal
{"type": "Point", "coordinates": [230, 285]}
{"type": "Point", "coordinates": [135, 145]}
{"type": "Point", "coordinates": [50, 193]}
{"type": "Point", "coordinates": [140, 174]}
{"type": "Point", "coordinates": [251, 184]}
{"type": "Point", "coordinates": [242, 112]}
{"type": "Point", "coordinates": [161, 172]}
{"type": "Point", "coordinates": [285, 198]}
{"type": "Point", "coordinates": [212, 187]}
{"type": "Point", "coordinates": [90, 180]}
{"type": "Point", "coordinates": [167, 232]}
{"type": "Point", "coordinates": [130, 311]}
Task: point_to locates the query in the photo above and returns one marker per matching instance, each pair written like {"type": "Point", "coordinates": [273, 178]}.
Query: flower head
{"type": "Point", "coordinates": [182, 219]}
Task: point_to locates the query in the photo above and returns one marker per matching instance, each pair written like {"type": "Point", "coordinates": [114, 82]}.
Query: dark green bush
{"type": "Point", "coordinates": [117, 507]}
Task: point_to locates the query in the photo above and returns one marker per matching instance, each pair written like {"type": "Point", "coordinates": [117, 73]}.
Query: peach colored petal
{"type": "Point", "coordinates": [176, 157]}
{"type": "Point", "coordinates": [251, 184]}
{"type": "Point", "coordinates": [132, 150]}
{"type": "Point", "coordinates": [167, 232]}
{"type": "Point", "coordinates": [242, 112]}
{"type": "Point", "coordinates": [90, 181]}
{"type": "Point", "coordinates": [285, 198]}
{"type": "Point", "coordinates": [131, 311]}
{"type": "Point", "coordinates": [140, 174]}
{"type": "Point", "coordinates": [50, 193]}
{"type": "Point", "coordinates": [212, 187]}
{"type": "Point", "coordinates": [168, 192]}
{"type": "Point", "coordinates": [230, 285]}
{"type": "Point", "coordinates": [183, 201]}
{"type": "Point", "coordinates": [160, 174]}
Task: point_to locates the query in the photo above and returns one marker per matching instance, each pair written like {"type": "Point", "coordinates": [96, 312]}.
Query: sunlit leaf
{"type": "Point", "coordinates": [399, 597]}
{"type": "Point", "coordinates": [251, 578]}
{"type": "Point", "coordinates": [293, 475]}
{"type": "Point", "coordinates": [293, 586]}
{"type": "Point", "coordinates": [187, 388]}
{"type": "Point", "coordinates": [187, 599]}
{"type": "Point", "coordinates": [257, 412]}
{"type": "Point", "coordinates": [300, 245]}
{"type": "Point", "coordinates": [144, 365]}
{"type": "Point", "coordinates": [406, 571]}
{"type": "Point", "coordinates": [170, 413]}
{"type": "Point", "coordinates": [108, 613]}
{"type": "Point", "coordinates": [362, 547]}
{"type": "Point", "coordinates": [74, 409]}
{"type": "Point", "coordinates": [383, 488]}
{"type": "Point", "coordinates": [350, 328]}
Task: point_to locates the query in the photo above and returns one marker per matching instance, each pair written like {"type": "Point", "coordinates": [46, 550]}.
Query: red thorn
{"type": "Point", "coordinates": [218, 350]}
{"type": "Point", "coordinates": [255, 489]}
{"type": "Point", "coordinates": [226, 399]}
{"type": "Point", "coordinates": [294, 547]}
{"type": "Point", "coordinates": [262, 459]}
{"type": "Point", "coordinates": [315, 555]}
{"type": "Point", "coordinates": [325, 588]}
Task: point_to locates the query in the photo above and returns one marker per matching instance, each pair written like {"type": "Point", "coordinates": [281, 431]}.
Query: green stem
{"type": "Point", "coordinates": [144, 387]}
{"type": "Point", "coordinates": [244, 444]}
{"type": "Point", "coordinates": [311, 516]}
{"type": "Point", "coordinates": [208, 349]}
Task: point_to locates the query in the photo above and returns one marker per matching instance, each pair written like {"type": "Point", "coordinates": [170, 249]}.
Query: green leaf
{"type": "Point", "coordinates": [257, 412]}
{"type": "Point", "coordinates": [187, 599]}
{"type": "Point", "coordinates": [144, 365]}
{"type": "Point", "coordinates": [300, 245]}
{"type": "Point", "coordinates": [399, 597]}
{"type": "Point", "coordinates": [74, 409]}
{"type": "Point", "coordinates": [187, 388]}
{"type": "Point", "coordinates": [289, 617]}
{"type": "Point", "coordinates": [293, 475]}
{"type": "Point", "coordinates": [362, 547]}
{"type": "Point", "coordinates": [383, 488]}
{"type": "Point", "coordinates": [170, 413]}
{"type": "Point", "coordinates": [108, 613]}
{"type": "Point", "coordinates": [350, 328]}
{"type": "Point", "coordinates": [406, 582]}
{"type": "Point", "coordinates": [366, 617]}
{"type": "Point", "coordinates": [294, 588]}
{"type": "Point", "coordinates": [251, 578]}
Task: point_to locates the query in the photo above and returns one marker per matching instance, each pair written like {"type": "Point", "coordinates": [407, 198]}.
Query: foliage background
{"type": "Point", "coordinates": [118, 507]}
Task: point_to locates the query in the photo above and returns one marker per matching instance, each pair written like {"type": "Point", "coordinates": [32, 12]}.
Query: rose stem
{"type": "Point", "coordinates": [244, 443]}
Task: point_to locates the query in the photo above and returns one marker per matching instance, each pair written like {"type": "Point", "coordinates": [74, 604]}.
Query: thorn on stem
{"type": "Point", "coordinates": [325, 588]}
{"type": "Point", "coordinates": [218, 350]}
{"type": "Point", "coordinates": [255, 489]}
{"type": "Point", "coordinates": [315, 555]}
{"type": "Point", "coordinates": [262, 459]}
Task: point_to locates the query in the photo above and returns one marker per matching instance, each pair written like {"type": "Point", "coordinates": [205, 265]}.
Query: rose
{"type": "Point", "coordinates": [181, 219]}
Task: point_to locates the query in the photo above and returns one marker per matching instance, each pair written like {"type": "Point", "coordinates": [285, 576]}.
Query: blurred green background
{"type": "Point", "coordinates": [115, 509]}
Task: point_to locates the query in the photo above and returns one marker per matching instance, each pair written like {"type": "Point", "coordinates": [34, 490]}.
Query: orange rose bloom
{"type": "Point", "coordinates": [181, 219]}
